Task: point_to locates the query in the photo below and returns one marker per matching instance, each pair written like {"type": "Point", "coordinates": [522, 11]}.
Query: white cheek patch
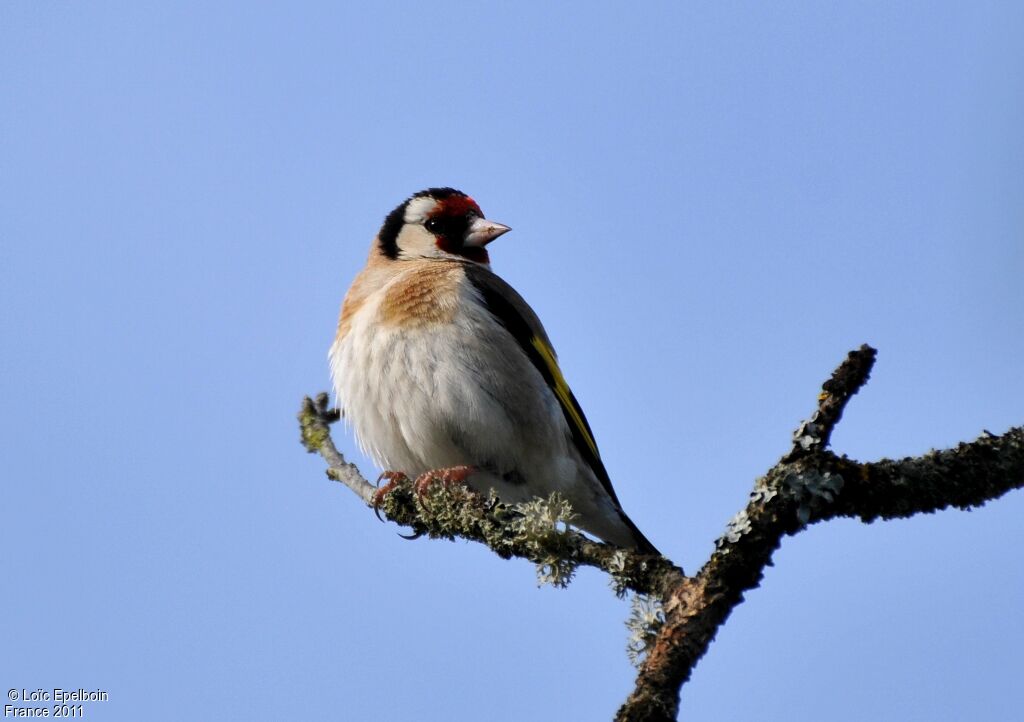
{"type": "Point", "coordinates": [418, 209]}
{"type": "Point", "coordinates": [414, 241]}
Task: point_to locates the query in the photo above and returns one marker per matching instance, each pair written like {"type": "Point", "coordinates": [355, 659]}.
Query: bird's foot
{"type": "Point", "coordinates": [454, 475]}
{"type": "Point", "coordinates": [394, 479]}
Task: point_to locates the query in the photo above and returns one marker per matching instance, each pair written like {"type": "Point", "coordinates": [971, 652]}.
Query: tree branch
{"type": "Point", "coordinates": [815, 433]}
{"type": "Point", "coordinates": [537, 532]}
{"type": "Point", "coordinates": [808, 485]}
{"type": "Point", "coordinates": [963, 477]}
{"type": "Point", "coordinates": [314, 423]}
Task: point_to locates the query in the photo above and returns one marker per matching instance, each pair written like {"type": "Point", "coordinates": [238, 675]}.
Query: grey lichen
{"type": "Point", "coordinates": [763, 492]}
{"type": "Point", "coordinates": [808, 434]}
{"type": "Point", "coordinates": [740, 524]}
{"type": "Point", "coordinates": [812, 490]}
{"type": "Point", "coordinates": [646, 618]}
{"type": "Point", "coordinates": [736, 528]}
{"type": "Point", "coordinates": [541, 528]}
{"type": "Point", "coordinates": [619, 572]}
{"type": "Point", "coordinates": [537, 530]}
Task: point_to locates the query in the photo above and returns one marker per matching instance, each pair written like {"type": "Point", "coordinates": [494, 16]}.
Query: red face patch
{"type": "Point", "coordinates": [456, 206]}
{"type": "Point", "coordinates": [449, 222]}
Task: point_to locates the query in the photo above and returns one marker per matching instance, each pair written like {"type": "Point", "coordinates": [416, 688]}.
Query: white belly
{"type": "Point", "coordinates": [430, 396]}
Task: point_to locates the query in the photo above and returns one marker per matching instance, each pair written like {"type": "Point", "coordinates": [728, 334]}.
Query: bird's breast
{"type": "Point", "coordinates": [427, 296]}
{"type": "Point", "coordinates": [428, 378]}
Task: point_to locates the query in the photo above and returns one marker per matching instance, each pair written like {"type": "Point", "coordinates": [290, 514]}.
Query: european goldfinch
{"type": "Point", "coordinates": [438, 363]}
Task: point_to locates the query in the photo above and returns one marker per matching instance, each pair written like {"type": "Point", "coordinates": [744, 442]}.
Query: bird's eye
{"type": "Point", "coordinates": [432, 224]}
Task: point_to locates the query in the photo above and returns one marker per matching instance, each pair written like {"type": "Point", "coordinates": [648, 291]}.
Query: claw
{"type": "Point", "coordinates": [394, 478]}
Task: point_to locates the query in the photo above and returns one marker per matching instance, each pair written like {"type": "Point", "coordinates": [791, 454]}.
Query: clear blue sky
{"type": "Point", "coordinates": [712, 203]}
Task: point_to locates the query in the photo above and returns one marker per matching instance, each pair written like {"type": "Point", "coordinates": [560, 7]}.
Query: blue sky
{"type": "Point", "coordinates": [712, 203]}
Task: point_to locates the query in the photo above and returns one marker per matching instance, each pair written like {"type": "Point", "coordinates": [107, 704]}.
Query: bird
{"type": "Point", "coordinates": [439, 364]}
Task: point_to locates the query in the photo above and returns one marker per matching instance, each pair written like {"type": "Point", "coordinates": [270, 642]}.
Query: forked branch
{"type": "Point", "coordinates": [808, 485]}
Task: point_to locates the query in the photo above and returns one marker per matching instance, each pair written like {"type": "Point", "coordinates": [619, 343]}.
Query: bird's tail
{"type": "Point", "coordinates": [642, 543]}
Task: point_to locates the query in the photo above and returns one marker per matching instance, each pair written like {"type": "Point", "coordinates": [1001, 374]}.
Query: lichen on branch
{"type": "Point", "coordinates": [538, 531]}
{"type": "Point", "coordinates": [675, 617]}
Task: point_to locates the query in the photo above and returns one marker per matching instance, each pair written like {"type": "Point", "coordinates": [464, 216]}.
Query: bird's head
{"type": "Point", "coordinates": [438, 223]}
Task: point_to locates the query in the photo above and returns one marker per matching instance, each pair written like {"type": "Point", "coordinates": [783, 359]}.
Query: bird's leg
{"type": "Point", "coordinates": [394, 478]}
{"type": "Point", "coordinates": [447, 477]}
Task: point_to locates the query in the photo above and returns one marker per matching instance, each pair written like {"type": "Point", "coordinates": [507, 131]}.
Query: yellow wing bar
{"type": "Point", "coordinates": [564, 394]}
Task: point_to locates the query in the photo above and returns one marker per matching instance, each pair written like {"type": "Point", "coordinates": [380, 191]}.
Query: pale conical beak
{"type": "Point", "coordinates": [482, 231]}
